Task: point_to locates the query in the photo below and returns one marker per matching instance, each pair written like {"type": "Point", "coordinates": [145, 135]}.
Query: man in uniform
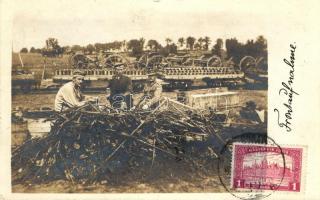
{"type": "Point", "coordinates": [70, 94]}
{"type": "Point", "coordinates": [120, 90]}
{"type": "Point", "coordinates": [152, 92]}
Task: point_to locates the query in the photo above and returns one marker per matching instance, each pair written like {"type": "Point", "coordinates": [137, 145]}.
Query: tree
{"type": "Point", "coordinates": [171, 48]}
{"type": "Point", "coordinates": [52, 43]}
{"type": "Point", "coordinates": [115, 45]}
{"type": "Point", "coordinates": [181, 42]}
{"type": "Point", "coordinates": [218, 47]}
{"type": "Point", "coordinates": [136, 46]}
{"type": "Point", "coordinates": [24, 50]}
{"type": "Point", "coordinates": [99, 46]}
{"type": "Point", "coordinates": [124, 45]}
{"type": "Point", "coordinates": [207, 42]}
{"type": "Point", "coordinates": [190, 42]}
{"type": "Point", "coordinates": [235, 49]}
{"type": "Point", "coordinates": [153, 45]}
{"type": "Point", "coordinates": [90, 48]}
{"type": "Point", "coordinates": [261, 42]}
{"type": "Point", "coordinates": [262, 51]}
{"type": "Point", "coordinates": [52, 48]}
{"type": "Point", "coordinates": [32, 50]}
{"type": "Point", "coordinates": [142, 41]}
{"type": "Point", "coordinates": [66, 49]}
{"type": "Point", "coordinates": [197, 46]}
{"type": "Point", "coordinates": [256, 49]}
{"type": "Point", "coordinates": [168, 41]}
{"type": "Point", "coordinates": [200, 43]}
{"type": "Point", "coordinates": [250, 48]}
{"type": "Point", "coordinates": [38, 50]}
{"type": "Point", "coordinates": [259, 47]}
{"type": "Point", "coordinates": [76, 48]}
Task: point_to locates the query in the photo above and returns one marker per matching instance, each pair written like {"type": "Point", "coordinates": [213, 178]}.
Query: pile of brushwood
{"type": "Point", "coordinates": [91, 144]}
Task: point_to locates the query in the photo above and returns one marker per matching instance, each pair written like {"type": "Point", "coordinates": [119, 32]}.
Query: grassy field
{"type": "Point", "coordinates": [35, 62]}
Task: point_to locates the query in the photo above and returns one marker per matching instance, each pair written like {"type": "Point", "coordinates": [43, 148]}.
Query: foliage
{"type": "Point", "coordinates": [52, 48]}
{"type": "Point", "coordinates": [136, 46]}
{"type": "Point", "coordinates": [24, 50]}
{"type": "Point", "coordinates": [200, 43]}
{"type": "Point", "coordinates": [99, 46]}
{"type": "Point", "coordinates": [217, 48]}
{"type": "Point", "coordinates": [197, 46]}
{"type": "Point", "coordinates": [76, 48]}
{"type": "Point", "coordinates": [169, 49]}
{"type": "Point", "coordinates": [168, 41]}
{"type": "Point", "coordinates": [153, 45]}
{"type": "Point", "coordinates": [32, 50]}
{"type": "Point", "coordinates": [234, 49]}
{"type": "Point", "coordinates": [52, 43]}
{"type": "Point", "coordinates": [90, 48]}
{"type": "Point", "coordinates": [190, 42]}
{"type": "Point", "coordinates": [181, 42]}
{"type": "Point", "coordinates": [256, 49]}
{"type": "Point", "coordinates": [207, 42]}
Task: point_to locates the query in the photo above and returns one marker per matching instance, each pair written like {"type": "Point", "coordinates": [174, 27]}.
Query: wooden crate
{"type": "Point", "coordinates": [221, 100]}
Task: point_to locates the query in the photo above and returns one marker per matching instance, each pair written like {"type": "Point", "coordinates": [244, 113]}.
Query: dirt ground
{"type": "Point", "coordinates": [207, 184]}
{"type": "Point", "coordinates": [36, 101]}
{"type": "Point", "coordinates": [170, 177]}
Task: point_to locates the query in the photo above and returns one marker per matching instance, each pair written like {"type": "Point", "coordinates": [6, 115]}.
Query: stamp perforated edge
{"type": "Point", "coordinates": [304, 165]}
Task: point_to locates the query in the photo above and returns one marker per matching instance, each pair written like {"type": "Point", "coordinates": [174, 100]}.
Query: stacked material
{"type": "Point", "coordinates": [90, 144]}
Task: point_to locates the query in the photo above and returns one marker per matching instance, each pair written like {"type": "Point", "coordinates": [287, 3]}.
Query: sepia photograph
{"type": "Point", "coordinates": [129, 102]}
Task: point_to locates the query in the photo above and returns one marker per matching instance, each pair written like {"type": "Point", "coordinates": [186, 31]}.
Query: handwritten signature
{"type": "Point", "coordinates": [288, 91]}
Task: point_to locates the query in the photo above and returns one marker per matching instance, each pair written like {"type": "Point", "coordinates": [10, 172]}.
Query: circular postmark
{"type": "Point", "coordinates": [251, 166]}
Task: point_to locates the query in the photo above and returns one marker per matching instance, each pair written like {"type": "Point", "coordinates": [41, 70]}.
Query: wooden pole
{"type": "Point", "coordinates": [44, 68]}
{"type": "Point", "coordinates": [20, 60]}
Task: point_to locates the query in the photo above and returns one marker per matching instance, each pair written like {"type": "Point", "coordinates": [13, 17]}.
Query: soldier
{"type": "Point", "coordinates": [120, 90]}
{"type": "Point", "coordinates": [152, 92]}
{"type": "Point", "coordinates": [70, 94]}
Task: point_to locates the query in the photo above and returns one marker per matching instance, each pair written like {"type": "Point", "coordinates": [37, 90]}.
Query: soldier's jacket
{"type": "Point", "coordinates": [153, 91]}
{"type": "Point", "coordinates": [68, 96]}
{"type": "Point", "coordinates": [120, 84]}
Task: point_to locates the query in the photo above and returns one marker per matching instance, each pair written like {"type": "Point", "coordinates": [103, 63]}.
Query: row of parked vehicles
{"type": "Point", "coordinates": [179, 71]}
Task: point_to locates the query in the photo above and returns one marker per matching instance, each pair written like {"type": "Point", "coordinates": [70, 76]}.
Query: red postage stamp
{"type": "Point", "coordinates": [263, 167]}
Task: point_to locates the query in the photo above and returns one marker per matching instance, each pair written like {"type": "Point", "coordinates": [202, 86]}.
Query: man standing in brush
{"type": "Point", "coordinates": [120, 87]}
{"type": "Point", "coordinates": [70, 94]}
{"type": "Point", "coordinates": [152, 92]}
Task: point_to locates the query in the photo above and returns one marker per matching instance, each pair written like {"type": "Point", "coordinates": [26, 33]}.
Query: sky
{"type": "Point", "coordinates": [83, 22]}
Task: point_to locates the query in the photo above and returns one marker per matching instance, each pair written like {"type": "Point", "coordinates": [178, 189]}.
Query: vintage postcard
{"type": "Point", "coordinates": [159, 99]}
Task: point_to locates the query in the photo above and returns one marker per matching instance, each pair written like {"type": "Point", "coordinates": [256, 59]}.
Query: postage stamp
{"type": "Point", "coordinates": [265, 167]}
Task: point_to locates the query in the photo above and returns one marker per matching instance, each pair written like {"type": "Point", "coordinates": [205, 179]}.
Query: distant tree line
{"type": "Point", "coordinates": [233, 48]}
{"type": "Point", "coordinates": [237, 50]}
